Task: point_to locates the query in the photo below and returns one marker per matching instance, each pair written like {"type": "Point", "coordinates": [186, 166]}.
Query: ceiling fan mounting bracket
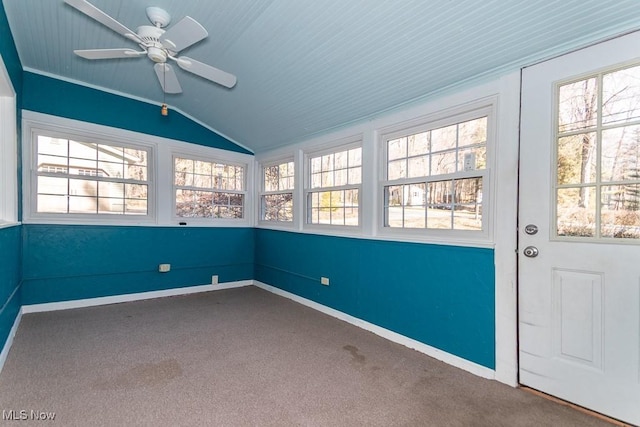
{"type": "Point", "coordinates": [158, 16]}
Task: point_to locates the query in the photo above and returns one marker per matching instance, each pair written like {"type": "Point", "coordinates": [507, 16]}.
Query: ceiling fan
{"type": "Point", "coordinates": [157, 44]}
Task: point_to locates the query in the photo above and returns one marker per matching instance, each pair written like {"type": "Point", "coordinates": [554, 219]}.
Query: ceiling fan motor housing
{"type": "Point", "coordinates": [151, 35]}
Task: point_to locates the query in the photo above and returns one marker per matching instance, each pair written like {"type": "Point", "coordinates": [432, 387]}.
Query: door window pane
{"type": "Point", "coordinates": [620, 153]}
{"type": "Point", "coordinates": [598, 171]}
{"type": "Point", "coordinates": [576, 212]}
{"type": "Point", "coordinates": [578, 105]}
{"type": "Point", "coordinates": [621, 211]}
{"type": "Point", "coordinates": [620, 94]}
{"type": "Point", "coordinates": [577, 159]}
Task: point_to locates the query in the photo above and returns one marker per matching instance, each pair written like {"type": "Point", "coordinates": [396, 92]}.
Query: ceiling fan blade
{"type": "Point", "coordinates": [183, 34]}
{"type": "Point", "coordinates": [207, 71]}
{"type": "Point", "coordinates": [167, 78]}
{"type": "Point", "coordinates": [109, 53]}
{"type": "Point", "coordinates": [95, 13]}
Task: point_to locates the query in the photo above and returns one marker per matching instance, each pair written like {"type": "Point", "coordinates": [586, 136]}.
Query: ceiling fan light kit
{"type": "Point", "coordinates": [158, 16]}
{"type": "Point", "coordinates": [158, 45]}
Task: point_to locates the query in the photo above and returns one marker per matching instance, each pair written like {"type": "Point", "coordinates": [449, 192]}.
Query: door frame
{"type": "Point", "coordinates": [505, 225]}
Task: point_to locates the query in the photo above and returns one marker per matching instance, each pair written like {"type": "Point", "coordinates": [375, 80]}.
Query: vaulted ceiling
{"type": "Point", "coordinates": [306, 67]}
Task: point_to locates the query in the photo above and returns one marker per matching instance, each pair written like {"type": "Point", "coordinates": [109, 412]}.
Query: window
{"type": "Point", "coordinates": [209, 189]}
{"type": "Point", "coordinates": [82, 177]}
{"type": "Point", "coordinates": [434, 175]}
{"type": "Point", "coordinates": [334, 184]}
{"type": "Point", "coordinates": [277, 196]}
{"type": "Point", "coordinates": [83, 173]}
{"type": "Point", "coordinates": [598, 156]}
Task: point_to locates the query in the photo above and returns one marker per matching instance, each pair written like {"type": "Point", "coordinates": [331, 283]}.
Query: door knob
{"type": "Point", "coordinates": [530, 251]}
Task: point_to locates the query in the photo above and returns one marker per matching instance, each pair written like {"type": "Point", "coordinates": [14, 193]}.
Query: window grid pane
{"type": "Point", "coordinates": [278, 182]}
{"type": "Point", "coordinates": [337, 207]}
{"type": "Point", "coordinates": [450, 205]}
{"type": "Point", "coordinates": [336, 169]}
{"type": "Point", "coordinates": [339, 175]}
{"type": "Point", "coordinates": [436, 203]}
{"type": "Point", "coordinates": [207, 189]}
{"type": "Point", "coordinates": [78, 177]}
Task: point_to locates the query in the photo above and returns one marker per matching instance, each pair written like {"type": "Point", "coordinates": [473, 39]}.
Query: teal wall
{"type": "Point", "coordinates": [442, 296]}
{"type": "Point", "coordinates": [10, 238]}
{"type": "Point", "coordinates": [64, 263]}
{"type": "Point", "coordinates": [59, 98]}
{"type": "Point", "coordinates": [10, 278]}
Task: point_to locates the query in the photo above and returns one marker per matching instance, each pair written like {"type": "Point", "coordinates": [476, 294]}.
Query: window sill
{"type": "Point", "coordinates": [9, 224]}
{"type": "Point", "coordinates": [174, 223]}
{"type": "Point", "coordinates": [277, 225]}
{"type": "Point", "coordinates": [475, 239]}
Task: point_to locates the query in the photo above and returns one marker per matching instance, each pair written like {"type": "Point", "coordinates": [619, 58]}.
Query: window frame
{"type": "Point", "coordinates": [263, 192]}
{"type": "Point", "coordinates": [343, 144]}
{"type": "Point", "coordinates": [438, 120]}
{"type": "Point", "coordinates": [33, 130]}
{"type": "Point", "coordinates": [200, 155]}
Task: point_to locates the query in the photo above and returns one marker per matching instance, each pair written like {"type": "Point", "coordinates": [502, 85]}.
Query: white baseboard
{"type": "Point", "coordinates": [90, 302]}
{"type": "Point", "coordinates": [443, 356]}
{"type": "Point", "coordinates": [9, 342]}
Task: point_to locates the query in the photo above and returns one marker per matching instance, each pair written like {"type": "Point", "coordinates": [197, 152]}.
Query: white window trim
{"type": "Point", "coordinates": [32, 129]}
{"type": "Point", "coordinates": [8, 151]}
{"type": "Point", "coordinates": [343, 144]}
{"type": "Point", "coordinates": [160, 172]}
{"type": "Point", "coordinates": [196, 153]}
{"type": "Point", "coordinates": [287, 225]}
{"type": "Point", "coordinates": [487, 107]}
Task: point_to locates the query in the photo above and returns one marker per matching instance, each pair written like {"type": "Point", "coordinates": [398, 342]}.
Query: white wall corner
{"type": "Point", "coordinates": [8, 149]}
{"type": "Point", "coordinates": [505, 226]}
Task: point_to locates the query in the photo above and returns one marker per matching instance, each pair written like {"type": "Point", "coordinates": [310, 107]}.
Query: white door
{"type": "Point", "coordinates": [579, 298]}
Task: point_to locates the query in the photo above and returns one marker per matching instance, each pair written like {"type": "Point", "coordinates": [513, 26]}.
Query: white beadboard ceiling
{"type": "Point", "coordinates": [306, 67]}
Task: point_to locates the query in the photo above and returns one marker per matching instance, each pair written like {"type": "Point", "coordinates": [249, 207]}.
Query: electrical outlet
{"type": "Point", "coordinates": [164, 268]}
{"type": "Point", "coordinates": [214, 279]}
{"type": "Point", "coordinates": [324, 281]}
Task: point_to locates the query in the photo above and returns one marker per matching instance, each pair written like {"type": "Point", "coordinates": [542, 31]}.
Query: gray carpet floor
{"type": "Point", "coordinates": [243, 357]}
